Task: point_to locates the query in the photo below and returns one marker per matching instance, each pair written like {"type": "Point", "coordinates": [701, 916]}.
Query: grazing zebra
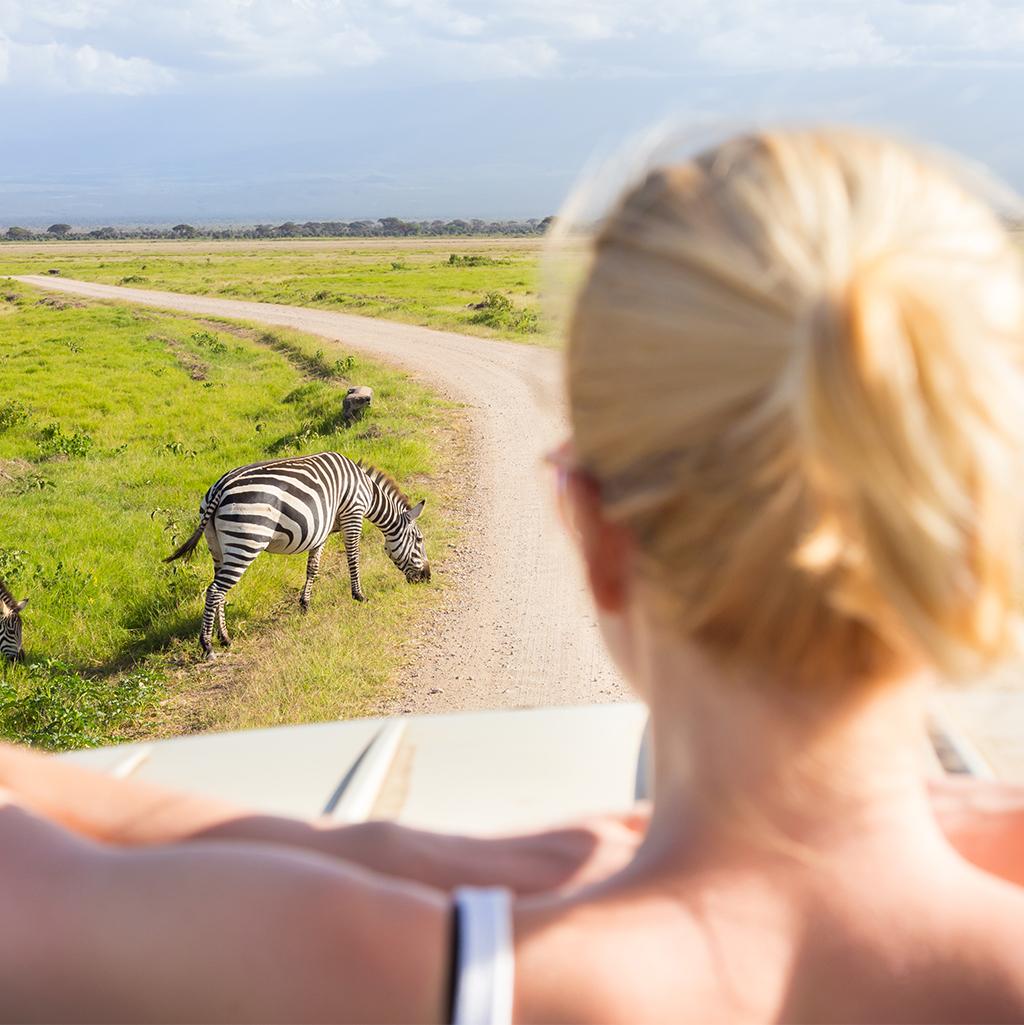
{"type": "Point", "coordinates": [10, 626]}
{"type": "Point", "coordinates": [292, 505]}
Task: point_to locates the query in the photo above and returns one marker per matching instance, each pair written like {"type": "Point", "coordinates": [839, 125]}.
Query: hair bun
{"type": "Point", "coordinates": [826, 330]}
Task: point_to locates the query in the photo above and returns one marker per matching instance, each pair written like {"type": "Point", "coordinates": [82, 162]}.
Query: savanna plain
{"type": "Point", "coordinates": [115, 420]}
{"type": "Point", "coordinates": [481, 286]}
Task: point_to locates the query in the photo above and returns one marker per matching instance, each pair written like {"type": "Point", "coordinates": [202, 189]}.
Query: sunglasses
{"type": "Point", "coordinates": [566, 473]}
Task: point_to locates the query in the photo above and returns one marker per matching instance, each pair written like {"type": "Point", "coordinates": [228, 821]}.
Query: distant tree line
{"type": "Point", "coordinates": [384, 227]}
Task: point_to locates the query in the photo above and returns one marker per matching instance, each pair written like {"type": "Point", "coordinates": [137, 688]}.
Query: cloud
{"type": "Point", "coordinates": [821, 38]}
{"type": "Point", "coordinates": [60, 68]}
{"type": "Point", "coordinates": [137, 46]}
{"type": "Point", "coordinates": [279, 38]}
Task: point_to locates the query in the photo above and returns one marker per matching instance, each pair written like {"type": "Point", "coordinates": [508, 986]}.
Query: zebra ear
{"type": "Point", "coordinates": [20, 605]}
{"type": "Point", "coordinates": [416, 509]}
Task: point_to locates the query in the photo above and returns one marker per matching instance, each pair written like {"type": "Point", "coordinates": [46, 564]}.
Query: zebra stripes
{"type": "Point", "coordinates": [10, 626]}
{"type": "Point", "coordinates": [293, 505]}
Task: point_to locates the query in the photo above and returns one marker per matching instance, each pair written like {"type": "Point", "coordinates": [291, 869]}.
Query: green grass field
{"type": "Point", "coordinates": [113, 422]}
{"type": "Point", "coordinates": [486, 287]}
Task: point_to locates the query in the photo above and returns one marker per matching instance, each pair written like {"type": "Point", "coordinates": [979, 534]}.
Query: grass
{"type": "Point", "coordinates": [113, 422]}
{"type": "Point", "coordinates": [483, 287]}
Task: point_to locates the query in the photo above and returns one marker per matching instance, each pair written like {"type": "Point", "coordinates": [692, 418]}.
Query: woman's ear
{"type": "Point", "coordinates": [606, 546]}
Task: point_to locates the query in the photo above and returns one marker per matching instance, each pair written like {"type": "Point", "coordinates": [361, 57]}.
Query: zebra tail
{"type": "Point", "coordinates": [189, 546]}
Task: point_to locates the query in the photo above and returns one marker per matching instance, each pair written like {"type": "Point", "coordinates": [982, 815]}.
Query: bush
{"type": "Point", "coordinates": [12, 565]}
{"type": "Point", "coordinates": [33, 482]}
{"type": "Point", "coordinates": [11, 414]}
{"type": "Point", "coordinates": [208, 340]}
{"type": "Point", "coordinates": [63, 709]}
{"type": "Point", "coordinates": [54, 442]}
{"type": "Point", "coordinates": [498, 311]}
{"type": "Point", "coordinates": [319, 364]}
{"type": "Point", "coordinates": [474, 260]}
{"type": "Point", "coordinates": [177, 448]}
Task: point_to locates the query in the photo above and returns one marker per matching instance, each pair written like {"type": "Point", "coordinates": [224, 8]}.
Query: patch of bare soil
{"type": "Point", "coordinates": [12, 470]}
{"type": "Point", "coordinates": [229, 328]}
{"type": "Point", "coordinates": [194, 692]}
{"type": "Point", "coordinates": [188, 361]}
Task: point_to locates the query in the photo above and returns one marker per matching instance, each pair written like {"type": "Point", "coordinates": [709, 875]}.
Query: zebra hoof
{"type": "Point", "coordinates": [359, 597]}
{"type": "Point", "coordinates": [304, 607]}
{"type": "Point", "coordinates": [209, 655]}
{"type": "Point", "coordinates": [225, 642]}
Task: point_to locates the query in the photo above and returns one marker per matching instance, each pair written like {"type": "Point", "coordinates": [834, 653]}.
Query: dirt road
{"type": "Point", "coordinates": [518, 629]}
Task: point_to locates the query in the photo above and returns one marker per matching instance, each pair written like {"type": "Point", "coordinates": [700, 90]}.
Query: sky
{"type": "Point", "coordinates": [220, 111]}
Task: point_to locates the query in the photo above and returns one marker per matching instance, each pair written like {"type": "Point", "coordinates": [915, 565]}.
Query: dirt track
{"type": "Point", "coordinates": [518, 629]}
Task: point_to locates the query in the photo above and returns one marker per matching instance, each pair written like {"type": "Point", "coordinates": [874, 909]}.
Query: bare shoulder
{"type": "Point", "coordinates": [993, 927]}
{"type": "Point", "coordinates": [740, 954]}
{"type": "Point", "coordinates": [939, 948]}
{"type": "Point", "coordinates": [608, 961]}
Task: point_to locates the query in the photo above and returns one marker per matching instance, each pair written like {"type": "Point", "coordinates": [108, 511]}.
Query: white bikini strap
{"type": "Point", "coordinates": [485, 964]}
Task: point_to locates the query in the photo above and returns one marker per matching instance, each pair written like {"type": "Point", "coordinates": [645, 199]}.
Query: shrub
{"type": "Point", "coordinates": [498, 311]}
{"type": "Point", "coordinates": [32, 482]}
{"type": "Point", "coordinates": [63, 709]}
{"type": "Point", "coordinates": [54, 442]}
{"type": "Point", "coordinates": [208, 340]}
{"type": "Point", "coordinates": [331, 368]}
{"type": "Point", "coordinates": [12, 564]}
{"type": "Point", "coordinates": [474, 260]}
{"type": "Point", "coordinates": [11, 414]}
{"type": "Point", "coordinates": [176, 448]}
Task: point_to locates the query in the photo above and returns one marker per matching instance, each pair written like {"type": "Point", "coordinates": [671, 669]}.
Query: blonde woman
{"type": "Point", "coordinates": [805, 507]}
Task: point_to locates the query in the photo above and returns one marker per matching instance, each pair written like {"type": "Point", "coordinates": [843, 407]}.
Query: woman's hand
{"type": "Point", "coordinates": [568, 857]}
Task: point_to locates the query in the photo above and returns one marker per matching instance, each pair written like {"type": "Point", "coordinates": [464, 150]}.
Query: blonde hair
{"type": "Point", "coordinates": [794, 368]}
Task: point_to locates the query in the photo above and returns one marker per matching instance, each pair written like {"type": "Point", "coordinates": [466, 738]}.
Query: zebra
{"type": "Point", "coordinates": [10, 625]}
{"type": "Point", "coordinates": [284, 506]}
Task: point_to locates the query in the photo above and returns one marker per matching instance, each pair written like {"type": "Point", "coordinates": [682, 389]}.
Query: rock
{"type": "Point", "coordinates": [355, 403]}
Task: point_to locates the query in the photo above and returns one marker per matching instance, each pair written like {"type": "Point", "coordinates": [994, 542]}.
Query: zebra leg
{"type": "Point", "coordinates": [214, 603]}
{"type": "Point", "coordinates": [217, 553]}
{"type": "Point", "coordinates": [222, 627]}
{"type": "Point", "coordinates": [227, 574]}
{"type": "Point", "coordinates": [352, 538]}
{"type": "Point", "coordinates": [312, 569]}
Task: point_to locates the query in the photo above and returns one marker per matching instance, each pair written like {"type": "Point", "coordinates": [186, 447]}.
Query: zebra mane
{"type": "Point", "coordinates": [386, 481]}
{"type": "Point", "coordinates": [6, 598]}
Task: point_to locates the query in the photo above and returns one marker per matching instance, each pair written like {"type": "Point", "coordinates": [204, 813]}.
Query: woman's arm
{"type": "Point", "coordinates": [209, 932]}
{"type": "Point", "coordinates": [133, 813]}
{"type": "Point", "coordinates": [984, 821]}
